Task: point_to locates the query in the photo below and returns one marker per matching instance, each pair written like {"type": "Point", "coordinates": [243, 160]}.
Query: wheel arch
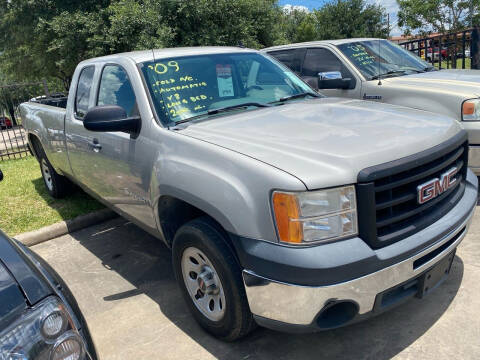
{"type": "Point", "coordinates": [173, 210]}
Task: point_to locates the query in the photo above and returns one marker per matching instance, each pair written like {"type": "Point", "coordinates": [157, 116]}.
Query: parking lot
{"type": "Point", "coordinates": [123, 282]}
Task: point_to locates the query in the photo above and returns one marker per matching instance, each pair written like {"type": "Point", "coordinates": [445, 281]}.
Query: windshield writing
{"type": "Point", "coordinates": [185, 87]}
{"type": "Point", "coordinates": [381, 57]}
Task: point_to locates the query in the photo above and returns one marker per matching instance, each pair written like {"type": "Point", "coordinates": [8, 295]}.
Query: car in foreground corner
{"type": "Point", "coordinates": [39, 317]}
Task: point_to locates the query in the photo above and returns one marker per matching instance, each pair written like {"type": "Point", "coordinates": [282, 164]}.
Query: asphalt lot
{"type": "Point", "coordinates": [123, 281]}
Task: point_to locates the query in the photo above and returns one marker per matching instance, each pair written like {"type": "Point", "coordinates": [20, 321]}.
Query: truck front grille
{"type": "Point", "coordinates": [387, 193]}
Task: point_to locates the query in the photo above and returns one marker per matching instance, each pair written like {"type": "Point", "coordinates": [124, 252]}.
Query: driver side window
{"type": "Point", "coordinates": [322, 60]}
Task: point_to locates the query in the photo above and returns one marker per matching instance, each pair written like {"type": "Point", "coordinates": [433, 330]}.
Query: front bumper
{"type": "Point", "coordinates": [277, 302]}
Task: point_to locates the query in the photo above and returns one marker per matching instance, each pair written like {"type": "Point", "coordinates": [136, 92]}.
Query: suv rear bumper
{"type": "Point", "coordinates": [278, 302]}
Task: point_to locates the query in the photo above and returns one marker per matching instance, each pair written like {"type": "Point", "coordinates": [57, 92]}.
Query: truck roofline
{"type": "Point", "coordinates": [318, 43]}
{"type": "Point", "coordinates": [156, 54]}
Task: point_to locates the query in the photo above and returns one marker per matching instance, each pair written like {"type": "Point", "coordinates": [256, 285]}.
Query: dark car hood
{"type": "Point", "coordinates": [12, 300]}
{"type": "Point", "coordinates": [18, 276]}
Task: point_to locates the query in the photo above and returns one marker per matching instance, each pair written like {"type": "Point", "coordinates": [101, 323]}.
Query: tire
{"type": "Point", "coordinates": [57, 186]}
{"type": "Point", "coordinates": [203, 239]}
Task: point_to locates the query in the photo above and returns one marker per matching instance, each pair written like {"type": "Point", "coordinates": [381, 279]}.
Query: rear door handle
{"type": "Point", "coordinates": [95, 145]}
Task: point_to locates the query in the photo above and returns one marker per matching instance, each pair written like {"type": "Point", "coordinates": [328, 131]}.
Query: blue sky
{"type": "Point", "coordinates": [390, 5]}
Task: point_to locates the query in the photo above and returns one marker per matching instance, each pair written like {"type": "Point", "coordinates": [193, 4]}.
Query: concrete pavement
{"type": "Point", "coordinates": [124, 284]}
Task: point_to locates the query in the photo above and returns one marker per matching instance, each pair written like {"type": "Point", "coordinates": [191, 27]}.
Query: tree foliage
{"type": "Point", "coordinates": [426, 16]}
{"type": "Point", "coordinates": [351, 18]}
{"type": "Point", "coordinates": [47, 38]}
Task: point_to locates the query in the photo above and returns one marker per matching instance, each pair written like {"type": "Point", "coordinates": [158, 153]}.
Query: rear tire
{"type": "Point", "coordinates": [219, 304]}
{"type": "Point", "coordinates": [58, 186]}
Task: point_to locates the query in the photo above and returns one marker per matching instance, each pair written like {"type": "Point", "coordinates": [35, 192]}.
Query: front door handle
{"type": "Point", "coordinates": [95, 145]}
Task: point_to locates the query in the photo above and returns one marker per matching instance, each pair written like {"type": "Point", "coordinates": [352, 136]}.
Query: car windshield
{"type": "Point", "coordinates": [375, 58]}
{"type": "Point", "coordinates": [192, 86]}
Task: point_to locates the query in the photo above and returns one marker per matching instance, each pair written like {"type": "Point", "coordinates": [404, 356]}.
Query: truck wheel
{"type": "Point", "coordinates": [57, 185]}
{"type": "Point", "coordinates": [210, 280]}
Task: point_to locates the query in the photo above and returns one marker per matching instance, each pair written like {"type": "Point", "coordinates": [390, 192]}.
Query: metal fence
{"type": "Point", "coordinates": [458, 50]}
{"type": "Point", "coordinates": [13, 141]}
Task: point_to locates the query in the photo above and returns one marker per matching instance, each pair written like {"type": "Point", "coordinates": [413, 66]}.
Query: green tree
{"type": "Point", "coordinates": [135, 25]}
{"type": "Point", "coordinates": [222, 22]}
{"type": "Point", "coordinates": [425, 16]}
{"type": "Point", "coordinates": [297, 26]}
{"type": "Point", "coordinates": [47, 38]}
{"type": "Point", "coordinates": [342, 19]}
{"type": "Point", "coordinates": [32, 40]}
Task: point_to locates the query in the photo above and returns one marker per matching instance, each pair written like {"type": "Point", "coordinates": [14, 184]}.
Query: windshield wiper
{"type": "Point", "coordinates": [391, 72]}
{"type": "Point", "coordinates": [297, 96]}
{"type": "Point", "coordinates": [219, 110]}
{"type": "Point", "coordinates": [235, 107]}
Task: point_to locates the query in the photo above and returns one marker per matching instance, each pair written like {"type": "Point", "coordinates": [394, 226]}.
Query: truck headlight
{"type": "Point", "coordinates": [44, 332]}
{"type": "Point", "coordinates": [471, 110]}
{"type": "Point", "coordinates": [315, 216]}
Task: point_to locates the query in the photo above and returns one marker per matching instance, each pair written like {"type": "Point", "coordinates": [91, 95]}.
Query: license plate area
{"type": "Point", "coordinates": [435, 275]}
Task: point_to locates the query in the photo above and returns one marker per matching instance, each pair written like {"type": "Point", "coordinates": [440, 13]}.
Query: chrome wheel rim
{"type": "Point", "coordinates": [203, 284]}
{"type": "Point", "coordinates": [47, 176]}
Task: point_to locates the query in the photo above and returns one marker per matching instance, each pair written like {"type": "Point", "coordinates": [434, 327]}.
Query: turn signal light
{"type": "Point", "coordinates": [468, 108]}
{"type": "Point", "coordinates": [286, 215]}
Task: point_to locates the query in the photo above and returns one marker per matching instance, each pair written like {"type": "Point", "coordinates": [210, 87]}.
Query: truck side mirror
{"type": "Point", "coordinates": [334, 80]}
{"type": "Point", "coordinates": [106, 118]}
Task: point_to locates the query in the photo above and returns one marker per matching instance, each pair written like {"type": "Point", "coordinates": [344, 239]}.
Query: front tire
{"type": "Point", "coordinates": [210, 280]}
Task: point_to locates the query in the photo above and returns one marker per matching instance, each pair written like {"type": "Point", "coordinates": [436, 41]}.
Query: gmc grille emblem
{"type": "Point", "coordinates": [435, 187]}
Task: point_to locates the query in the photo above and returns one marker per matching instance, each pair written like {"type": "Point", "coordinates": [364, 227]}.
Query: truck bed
{"type": "Point", "coordinates": [47, 122]}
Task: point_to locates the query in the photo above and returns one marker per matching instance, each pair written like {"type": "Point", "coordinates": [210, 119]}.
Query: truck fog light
{"type": "Point", "coordinates": [70, 348]}
{"type": "Point", "coordinates": [53, 325]}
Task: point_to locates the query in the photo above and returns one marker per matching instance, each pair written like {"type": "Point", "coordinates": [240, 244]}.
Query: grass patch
{"type": "Point", "coordinates": [459, 64]}
{"type": "Point", "coordinates": [25, 204]}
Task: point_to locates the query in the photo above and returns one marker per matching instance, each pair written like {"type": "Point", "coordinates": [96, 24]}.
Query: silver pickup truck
{"type": "Point", "coordinates": [282, 207]}
{"type": "Point", "coordinates": [378, 70]}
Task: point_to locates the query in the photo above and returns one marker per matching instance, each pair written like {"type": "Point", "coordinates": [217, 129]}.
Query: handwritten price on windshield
{"type": "Point", "coordinates": [161, 68]}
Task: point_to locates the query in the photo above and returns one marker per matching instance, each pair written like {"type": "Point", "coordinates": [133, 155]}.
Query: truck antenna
{"type": "Point", "coordinates": [153, 54]}
{"type": "Point", "coordinates": [378, 61]}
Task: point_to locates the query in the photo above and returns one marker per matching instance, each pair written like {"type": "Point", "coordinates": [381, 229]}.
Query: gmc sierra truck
{"type": "Point", "coordinates": [282, 207]}
{"type": "Point", "coordinates": [379, 70]}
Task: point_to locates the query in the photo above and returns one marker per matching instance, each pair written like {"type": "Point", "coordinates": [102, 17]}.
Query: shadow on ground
{"type": "Point", "coordinates": [76, 203]}
{"type": "Point", "coordinates": [145, 263]}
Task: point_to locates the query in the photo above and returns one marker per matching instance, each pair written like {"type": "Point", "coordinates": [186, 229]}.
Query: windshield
{"type": "Point", "coordinates": [381, 57]}
{"type": "Point", "coordinates": [187, 87]}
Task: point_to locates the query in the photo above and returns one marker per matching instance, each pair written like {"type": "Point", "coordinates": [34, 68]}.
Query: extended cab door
{"type": "Point", "coordinates": [115, 166]}
{"type": "Point", "coordinates": [321, 63]}
{"type": "Point", "coordinates": [313, 64]}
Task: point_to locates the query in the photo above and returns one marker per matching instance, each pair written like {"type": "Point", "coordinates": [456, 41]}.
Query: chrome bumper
{"type": "Point", "coordinates": [474, 158]}
{"type": "Point", "coordinates": [300, 305]}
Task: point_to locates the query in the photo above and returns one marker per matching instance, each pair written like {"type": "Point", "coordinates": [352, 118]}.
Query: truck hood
{"type": "Point", "coordinates": [326, 142]}
{"type": "Point", "coordinates": [457, 81]}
